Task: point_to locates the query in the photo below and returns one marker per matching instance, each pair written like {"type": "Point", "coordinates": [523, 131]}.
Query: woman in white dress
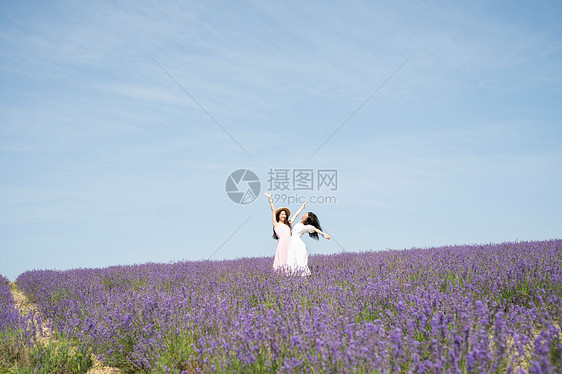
{"type": "Point", "coordinates": [297, 259]}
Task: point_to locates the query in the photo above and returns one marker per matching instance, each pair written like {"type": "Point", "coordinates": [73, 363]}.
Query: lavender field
{"type": "Point", "coordinates": [458, 309]}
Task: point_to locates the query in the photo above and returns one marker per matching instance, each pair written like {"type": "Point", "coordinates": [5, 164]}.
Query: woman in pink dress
{"type": "Point", "coordinates": [281, 232]}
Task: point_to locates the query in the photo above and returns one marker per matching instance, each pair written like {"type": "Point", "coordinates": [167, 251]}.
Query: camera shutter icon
{"type": "Point", "coordinates": [243, 186]}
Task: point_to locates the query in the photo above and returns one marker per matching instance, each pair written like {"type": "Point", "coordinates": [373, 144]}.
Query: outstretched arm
{"type": "Point", "coordinates": [297, 213]}
{"type": "Point", "coordinates": [268, 195]}
{"type": "Point", "coordinates": [321, 233]}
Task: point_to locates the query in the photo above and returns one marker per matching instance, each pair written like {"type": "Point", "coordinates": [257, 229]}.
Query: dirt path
{"type": "Point", "coordinates": [24, 307]}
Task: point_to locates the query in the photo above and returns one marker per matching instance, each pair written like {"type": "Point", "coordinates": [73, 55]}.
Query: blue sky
{"type": "Point", "coordinates": [105, 160]}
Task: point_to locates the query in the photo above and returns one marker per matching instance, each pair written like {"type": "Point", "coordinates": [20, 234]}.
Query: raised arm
{"type": "Point", "coordinates": [321, 233]}
{"type": "Point", "coordinates": [297, 213]}
{"type": "Point", "coordinates": [268, 195]}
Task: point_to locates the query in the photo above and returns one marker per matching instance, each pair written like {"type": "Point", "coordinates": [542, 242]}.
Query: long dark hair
{"type": "Point", "coordinates": [313, 220]}
{"type": "Point", "coordinates": [277, 219]}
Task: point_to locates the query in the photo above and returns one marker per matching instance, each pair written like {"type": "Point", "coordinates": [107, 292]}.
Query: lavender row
{"type": "Point", "coordinates": [18, 333]}
{"type": "Point", "coordinates": [12, 320]}
{"type": "Point", "coordinates": [485, 308]}
{"type": "Point", "coordinates": [9, 316]}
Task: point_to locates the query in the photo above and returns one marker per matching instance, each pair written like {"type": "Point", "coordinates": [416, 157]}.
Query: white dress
{"type": "Point", "coordinates": [297, 259]}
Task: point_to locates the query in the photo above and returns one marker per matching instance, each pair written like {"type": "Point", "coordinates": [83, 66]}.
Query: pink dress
{"type": "Point", "coordinates": [284, 234]}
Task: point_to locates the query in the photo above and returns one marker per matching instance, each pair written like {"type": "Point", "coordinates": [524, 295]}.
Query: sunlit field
{"type": "Point", "coordinates": [460, 309]}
